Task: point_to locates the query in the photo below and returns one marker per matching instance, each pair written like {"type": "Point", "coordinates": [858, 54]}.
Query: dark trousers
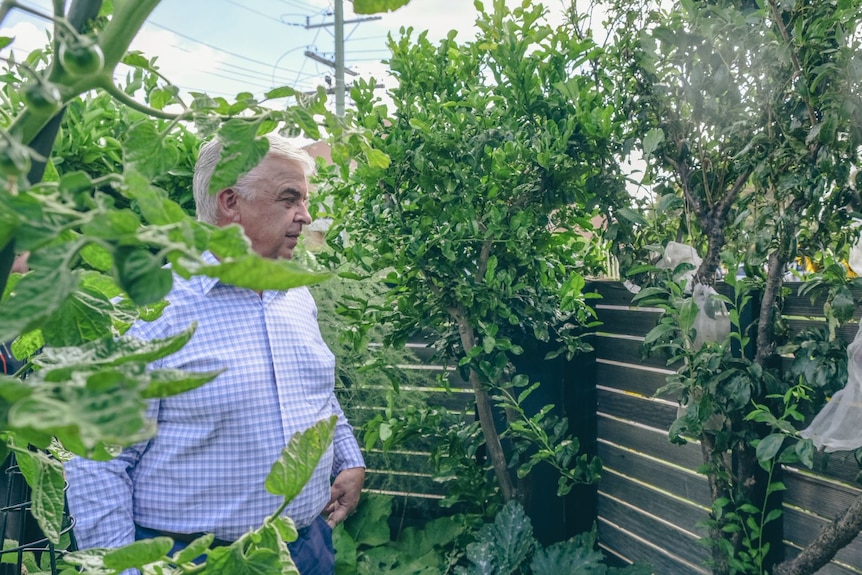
{"type": "Point", "coordinates": [312, 551]}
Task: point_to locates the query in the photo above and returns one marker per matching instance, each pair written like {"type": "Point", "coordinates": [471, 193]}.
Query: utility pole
{"type": "Point", "coordinates": [339, 58]}
{"type": "Point", "coordinates": [338, 63]}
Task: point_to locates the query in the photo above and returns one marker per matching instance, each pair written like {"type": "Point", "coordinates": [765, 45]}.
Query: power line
{"type": "Point", "coordinates": [208, 45]}
{"type": "Point", "coordinates": [253, 11]}
{"type": "Point", "coordinates": [304, 6]}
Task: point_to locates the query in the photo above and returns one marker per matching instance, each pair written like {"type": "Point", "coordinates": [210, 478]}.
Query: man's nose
{"type": "Point", "coordinates": [303, 216]}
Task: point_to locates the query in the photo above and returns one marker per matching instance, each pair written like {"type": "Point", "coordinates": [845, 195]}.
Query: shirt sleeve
{"type": "Point", "coordinates": [345, 446]}
{"type": "Point", "coordinates": [100, 499]}
{"type": "Point", "coordinates": [100, 492]}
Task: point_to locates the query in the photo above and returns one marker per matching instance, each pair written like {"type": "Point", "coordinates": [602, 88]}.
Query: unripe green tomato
{"type": "Point", "coordinates": [41, 96]}
{"type": "Point", "coordinates": [81, 59]}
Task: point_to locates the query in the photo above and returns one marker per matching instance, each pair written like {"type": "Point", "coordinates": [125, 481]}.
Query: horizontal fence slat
{"type": "Point", "coordinates": [670, 478]}
{"type": "Point", "coordinates": [452, 401]}
{"type": "Point", "coordinates": [626, 350]}
{"type": "Point", "coordinates": [841, 466]}
{"type": "Point", "coordinates": [632, 322]}
{"type": "Point", "coordinates": [685, 515]}
{"type": "Point", "coordinates": [675, 542]}
{"type": "Point", "coordinates": [653, 412]}
{"type": "Point", "coordinates": [382, 461]}
{"type": "Point", "coordinates": [630, 378]}
{"type": "Point", "coordinates": [412, 484]}
{"type": "Point", "coordinates": [846, 332]}
{"type": "Point", "coordinates": [797, 305]}
{"type": "Point", "coordinates": [651, 442]}
{"type": "Point", "coordinates": [360, 414]}
{"type": "Point", "coordinates": [624, 545]}
{"type": "Point", "coordinates": [826, 499]}
{"type": "Point", "coordinates": [612, 292]}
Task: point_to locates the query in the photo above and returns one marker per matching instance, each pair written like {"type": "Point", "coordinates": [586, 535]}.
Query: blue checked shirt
{"type": "Point", "coordinates": [205, 468]}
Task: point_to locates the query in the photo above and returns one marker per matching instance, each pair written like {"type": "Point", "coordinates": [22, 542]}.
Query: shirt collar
{"type": "Point", "coordinates": [207, 283]}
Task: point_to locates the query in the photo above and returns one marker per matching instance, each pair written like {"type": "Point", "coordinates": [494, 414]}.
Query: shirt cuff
{"type": "Point", "coordinates": [347, 455]}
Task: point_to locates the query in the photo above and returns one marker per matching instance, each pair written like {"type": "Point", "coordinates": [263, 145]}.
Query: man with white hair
{"type": "Point", "coordinates": [204, 470]}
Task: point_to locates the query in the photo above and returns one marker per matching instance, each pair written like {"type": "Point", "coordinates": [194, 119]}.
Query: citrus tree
{"type": "Point", "coordinates": [501, 153]}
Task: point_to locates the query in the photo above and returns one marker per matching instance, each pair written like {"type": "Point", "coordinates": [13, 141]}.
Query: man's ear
{"type": "Point", "coordinates": [228, 206]}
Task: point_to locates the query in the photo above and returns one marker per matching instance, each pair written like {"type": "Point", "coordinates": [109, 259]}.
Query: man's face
{"type": "Point", "coordinates": [272, 220]}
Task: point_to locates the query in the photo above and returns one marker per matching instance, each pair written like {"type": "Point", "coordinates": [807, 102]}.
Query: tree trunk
{"type": "Point", "coordinates": [718, 488]}
{"type": "Point", "coordinates": [485, 410]}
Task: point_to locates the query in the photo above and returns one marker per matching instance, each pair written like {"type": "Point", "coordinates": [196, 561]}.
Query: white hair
{"type": "Point", "coordinates": [206, 204]}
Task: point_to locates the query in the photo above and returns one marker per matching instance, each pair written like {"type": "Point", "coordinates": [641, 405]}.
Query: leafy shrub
{"type": "Point", "coordinates": [460, 545]}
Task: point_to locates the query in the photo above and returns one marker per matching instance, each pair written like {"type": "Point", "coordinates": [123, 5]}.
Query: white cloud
{"type": "Point", "coordinates": [187, 64]}
{"type": "Point", "coordinates": [27, 37]}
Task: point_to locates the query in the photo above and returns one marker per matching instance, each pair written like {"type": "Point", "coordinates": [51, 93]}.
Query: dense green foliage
{"type": "Point", "coordinates": [474, 204]}
{"type": "Point", "coordinates": [455, 544]}
{"type": "Point", "coordinates": [501, 153]}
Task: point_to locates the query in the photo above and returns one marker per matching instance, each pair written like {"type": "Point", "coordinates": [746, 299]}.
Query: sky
{"type": "Point", "coordinates": [224, 47]}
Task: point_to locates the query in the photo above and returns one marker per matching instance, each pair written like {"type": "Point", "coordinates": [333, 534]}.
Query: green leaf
{"type": "Point", "coordinates": [632, 216]}
{"type": "Point", "coordinates": [345, 551]}
{"type": "Point", "coordinates": [58, 363]}
{"type": "Point", "coordinates": [241, 151]}
{"type": "Point", "coordinates": [142, 275]}
{"type": "Point", "coordinates": [285, 527]}
{"type": "Point", "coordinates": [769, 446]}
{"type": "Point", "coordinates": [658, 332]}
{"type": "Point", "coordinates": [45, 476]}
{"type": "Point", "coordinates": [234, 560]}
{"type": "Point", "coordinates": [653, 138]}
{"type": "Point", "coordinates": [168, 382]}
{"type": "Point", "coordinates": [144, 148]}
{"type": "Point", "coordinates": [154, 203]}
{"type": "Point", "coordinates": [509, 540]}
{"type": "Point", "coordinates": [576, 555]}
{"type": "Point", "coordinates": [194, 549]}
{"type": "Point", "coordinates": [306, 122]}
{"type": "Point", "coordinates": [38, 295]}
{"type": "Point", "coordinates": [75, 182]}
{"type": "Point", "coordinates": [369, 526]}
{"type": "Point", "coordinates": [138, 553]}
{"type": "Point", "coordinates": [97, 257]}
{"type": "Point", "coordinates": [805, 451]}
{"type": "Point", "coordinates": [437, 533]}
{"type": "Point", "coordinates": [258, 273]}
{"type": "Point", "coordinates": [298, 460]}
{"type": "Point", "coordinates": [105, 409]}
{"type": "Point", "coordinates": [281, 92]}
{"type": "Point", "coordinates": [377, 158]}
{"type": "Point", "coordinates": [84, 316]}
{"type": "Point", "coordinates": [377, 6]}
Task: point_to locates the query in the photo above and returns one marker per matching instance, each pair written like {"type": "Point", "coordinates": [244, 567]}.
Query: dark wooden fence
{"type": "Point", "coordinates": [651, 503]}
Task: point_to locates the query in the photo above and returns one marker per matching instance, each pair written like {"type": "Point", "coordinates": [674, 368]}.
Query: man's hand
{"type": "Point", "coordinates": [345, 495]}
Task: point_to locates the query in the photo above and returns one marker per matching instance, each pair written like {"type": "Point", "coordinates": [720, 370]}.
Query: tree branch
{"type": "Point", "coordinates": [843, 529]}
{"type": "Point", "coordinates": [108, 85]}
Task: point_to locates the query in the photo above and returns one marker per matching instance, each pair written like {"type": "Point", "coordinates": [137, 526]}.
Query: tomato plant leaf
{"type": "Point", "coordinates": [299, 459]}
{"type": "Point", "coordinates": [45, 475]}
{"type": "Point", "coordinates": [144, 148]}
{"type": "Point", "coordinates": [138, 553]}
{"type": "Point", "coordinates": [241, 151]}
{"type": "Point", "coordinates": [254, 272]}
